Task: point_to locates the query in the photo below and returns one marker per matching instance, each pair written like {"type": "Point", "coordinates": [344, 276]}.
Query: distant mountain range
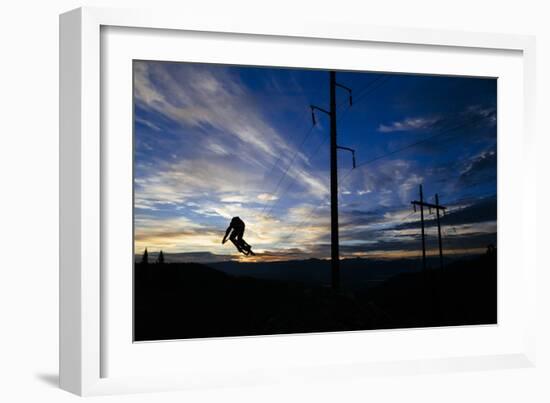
{"type": "Point", "coordinates": [356, 273]}
{"type": "Point", "coordinates": [187, 257]}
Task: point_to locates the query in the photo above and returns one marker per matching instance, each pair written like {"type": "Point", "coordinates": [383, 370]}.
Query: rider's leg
{"type": "Point", "coordinates": [240, 240]}
{"type": "Point", "coordinates": [233, 237]}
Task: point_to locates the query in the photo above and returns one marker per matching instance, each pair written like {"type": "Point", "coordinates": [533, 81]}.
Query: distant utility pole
{"type": "Point", "coordinates": [335, 252]}
{"type": "Point", "coordinates": [437, 208]}
{"type": "Point", "coordinates": [430, 206]}
{"type": "Point", "coordinates": [421, 204]}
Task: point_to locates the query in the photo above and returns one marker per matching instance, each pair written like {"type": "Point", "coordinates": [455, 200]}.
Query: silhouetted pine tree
{"type": "Point", "coordinates": [145, 257]}
{"type": "Point", "coordinates": [160, 259]}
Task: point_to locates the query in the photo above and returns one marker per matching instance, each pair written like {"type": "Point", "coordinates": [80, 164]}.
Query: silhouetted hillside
{"type": "Point", "coordinates": [464, 293]}
{"type": "Point", "coordinates": [176, 301]}
{"type": "Point", "coordinates": [355, 273]}
{"type": "Point", "coordinates": [191, 300]}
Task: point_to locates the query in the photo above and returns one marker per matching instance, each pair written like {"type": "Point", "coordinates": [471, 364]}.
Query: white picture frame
{"type": "Point", "coordinates": [83, 342]}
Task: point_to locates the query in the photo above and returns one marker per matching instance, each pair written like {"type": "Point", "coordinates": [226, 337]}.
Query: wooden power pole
{"type": "Point", "coordinates": [334, 241]}
{"type": "Point", "coordinates": [421, 204]}
{"type": "Point", "coordinates": [334, 237]}
{"type": "Point", "coordinates": [437, 207]}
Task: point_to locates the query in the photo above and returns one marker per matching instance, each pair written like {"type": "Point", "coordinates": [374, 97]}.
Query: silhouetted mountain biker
{"type": "Point", "coordinates": [236, 228]}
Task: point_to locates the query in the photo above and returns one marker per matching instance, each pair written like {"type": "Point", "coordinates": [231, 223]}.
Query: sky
{"type": "Point", "coordinates": [217, 141]}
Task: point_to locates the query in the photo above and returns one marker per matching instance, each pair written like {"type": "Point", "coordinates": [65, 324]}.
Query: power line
{"type": "Point", "coordinates": [392, 153]}
{"type": "Point", "coordinates": [416, 143]}
{"type": "Point", "coordinates": [369, 89]}
{"type": "Point", "coordinates": [304, 139]}
{"type": "Point", "coordinates": [358, 93]}
{"type": "Point", "coordinates": [349, 101]}
{"type": "Point", "coordinates": [310, 215]}
{"type": "Point", "coordinates": [277, 161]}
{"type": "Point", "coordinates": [293, 179]}
{"type": "Point", "coordinates": [381, 79]}
{"type": "Point", "coordinates": [422, 204]}
{"type": "Point", "coordinates": [361, 91]}
{"type": "Point", "coordinates": [371, 86]}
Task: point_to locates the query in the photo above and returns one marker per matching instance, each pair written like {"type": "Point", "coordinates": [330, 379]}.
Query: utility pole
{"type": "Point", "coordinates": [437, 207]}
{"type": "Point", "coordinates": [431, 279]}
{"type": "Point", "coordinates": [334, 238]}
{"type": "Point", "coordinates": [421, 204]}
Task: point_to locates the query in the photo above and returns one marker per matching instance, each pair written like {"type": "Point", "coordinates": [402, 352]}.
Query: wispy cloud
{"type": "Point", "coordinates": [388, 182]}
{"type": "Point", "coordinates": [224, 140]}
{"type": "Point", "coordinates": [267, 197]}
{"type": "Point", "coordinates": [409, 124]}
{"type": "Point", "coordinates": [196, 97]}
{"type": "Point", "coordinates": [214, 142]}
{"type": "Point", "coordinates": [480, 169]}
{"type": "Point", "coordinates": [486, 114]}
{"type": "Point", "coordinates": [148, 124]}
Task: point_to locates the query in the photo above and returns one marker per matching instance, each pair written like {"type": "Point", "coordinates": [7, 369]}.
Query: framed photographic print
{"type": "Point", "coordinates": [219, 146]}
{"type": "Point", "coordinates": [233, 202]}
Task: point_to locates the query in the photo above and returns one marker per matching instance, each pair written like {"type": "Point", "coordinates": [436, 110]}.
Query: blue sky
{"type": "Point", "coordinates": [214, 141]}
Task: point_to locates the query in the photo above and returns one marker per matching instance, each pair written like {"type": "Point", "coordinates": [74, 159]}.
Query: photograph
{"type": "Point", "coordinates": [272, 200]}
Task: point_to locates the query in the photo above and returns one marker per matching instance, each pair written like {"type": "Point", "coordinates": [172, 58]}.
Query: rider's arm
{"type": "Point", "coordinates": [227, 231]}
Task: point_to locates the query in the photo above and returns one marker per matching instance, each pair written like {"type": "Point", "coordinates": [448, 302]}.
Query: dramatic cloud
{"type": "Point", "coordinates": [215, 142]}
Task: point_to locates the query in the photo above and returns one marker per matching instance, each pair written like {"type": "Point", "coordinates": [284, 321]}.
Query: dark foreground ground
{"type": "Point", "coordinates": [185, 300]}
